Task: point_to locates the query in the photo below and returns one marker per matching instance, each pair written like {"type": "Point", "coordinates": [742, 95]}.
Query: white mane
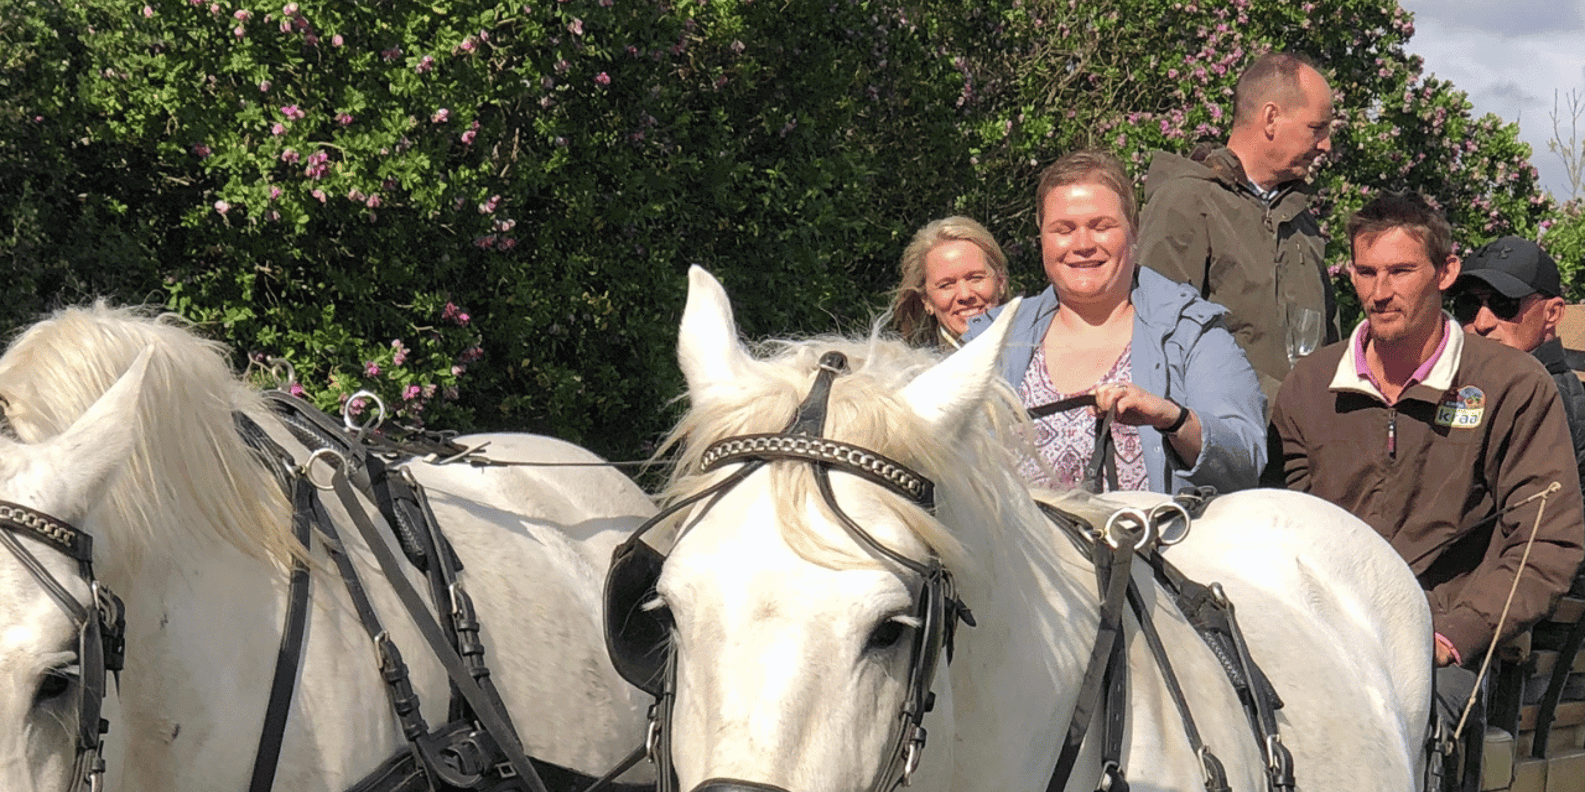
{"type": "Point", "coordinates": [211, 482]}
{"type": "Point", "coordinates": [976, 481]}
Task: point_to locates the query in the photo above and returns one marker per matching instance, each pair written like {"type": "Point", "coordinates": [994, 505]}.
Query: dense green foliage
{"type": "Point", "coordinates": [484, 210]}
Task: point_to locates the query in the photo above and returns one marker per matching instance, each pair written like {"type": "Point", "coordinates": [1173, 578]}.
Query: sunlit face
{"type": "Point", "coordinates": [1524, 330]}
{"type": "Point", "coordinates": [1303, 132]}
{"type": "Point", "coordinates": [1086, 244]}
{"type": "Point", "coordinates": [960, 283]}
{"type": "Point", "coordinates": [1397, 285]}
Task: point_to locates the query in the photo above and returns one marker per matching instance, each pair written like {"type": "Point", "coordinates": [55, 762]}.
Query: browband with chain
{"type": "Point", "coordinates": [74, 543]}
{"type": "Point", "coordinates": [888, 473]}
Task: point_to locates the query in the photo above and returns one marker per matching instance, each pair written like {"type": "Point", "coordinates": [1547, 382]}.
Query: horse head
{"type": "Point", "coordinates": [810, 597]}
{"type": "Point", "coordinates": [52, 651]}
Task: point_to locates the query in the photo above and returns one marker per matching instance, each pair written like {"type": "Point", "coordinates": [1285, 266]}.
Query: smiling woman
{"type": "Point", "coordinates": [951, 272]}
{"type": "Point", "coordinates": [1188, 410]}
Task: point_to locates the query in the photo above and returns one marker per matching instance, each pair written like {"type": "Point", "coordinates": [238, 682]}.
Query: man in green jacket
{"type": "Point", "coordinates": [1234, 222]}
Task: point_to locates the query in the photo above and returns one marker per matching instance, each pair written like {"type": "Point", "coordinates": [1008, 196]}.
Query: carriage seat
{"type": "Point", "coordinates": [1518, 717]}
{"type": "Point", "coordinates": [1572, 333]}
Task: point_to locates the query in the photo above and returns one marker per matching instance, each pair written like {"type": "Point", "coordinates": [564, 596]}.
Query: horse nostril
{"type": "Point", "coordinates": [734, 785]}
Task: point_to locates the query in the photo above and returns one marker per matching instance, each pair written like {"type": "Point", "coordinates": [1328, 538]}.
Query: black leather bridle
{"type": "Point", "coordinates": [638, 639]}
{"type": "Point", "coordinates": [101, 627]}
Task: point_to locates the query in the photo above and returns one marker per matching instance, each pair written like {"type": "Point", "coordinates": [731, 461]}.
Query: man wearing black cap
{"type": "Point", "coordinates": [1510, 292]}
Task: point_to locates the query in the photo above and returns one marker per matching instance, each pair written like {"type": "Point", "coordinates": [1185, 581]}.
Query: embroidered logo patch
{"type": "Point", "coordinates": [1462, 410]}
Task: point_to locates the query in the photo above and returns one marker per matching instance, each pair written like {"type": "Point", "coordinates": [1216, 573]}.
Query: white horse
{"type": "Point", "coordinates": [790, 663]}
{"type": "Point", "coordinates": [122, 425]}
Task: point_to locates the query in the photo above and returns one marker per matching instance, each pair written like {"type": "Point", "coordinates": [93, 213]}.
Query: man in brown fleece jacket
{"type": "Point", "coordinates": [1443, 442]}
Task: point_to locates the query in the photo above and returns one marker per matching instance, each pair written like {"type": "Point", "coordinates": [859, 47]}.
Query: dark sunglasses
{"type": "Point", "coordinates": [1466, 305]}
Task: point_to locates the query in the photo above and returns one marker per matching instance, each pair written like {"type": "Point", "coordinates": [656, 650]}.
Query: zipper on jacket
{"type": "Point", "coordinates": [1392, 432]}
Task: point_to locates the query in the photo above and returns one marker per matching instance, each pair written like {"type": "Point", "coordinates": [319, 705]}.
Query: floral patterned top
{"type": "Point", "coordinates": [1065, 441]}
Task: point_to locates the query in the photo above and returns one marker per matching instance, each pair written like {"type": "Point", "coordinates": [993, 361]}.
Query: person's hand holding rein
{"type": "Point", "coordinates": [1135, 406]}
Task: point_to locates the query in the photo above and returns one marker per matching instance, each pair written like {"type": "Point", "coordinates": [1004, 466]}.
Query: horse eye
{"type": "Point", "coordinates": [886, 635]}
{"type": "Point", "coordinates": [55, 683]}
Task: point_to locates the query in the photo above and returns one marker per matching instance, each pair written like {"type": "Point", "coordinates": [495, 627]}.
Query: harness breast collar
{"type": "Point", "coordinates": [101, 627]}
{"type": "Point", "coordinates": [638, 640]}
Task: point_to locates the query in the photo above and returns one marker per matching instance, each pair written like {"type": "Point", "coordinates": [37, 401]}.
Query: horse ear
{"type": "Point", "coordinates": [945, 393]}
{"type": "Point", "coordinates": [100, 440]}
{"type": "Point", "coordinates": [707, 347]}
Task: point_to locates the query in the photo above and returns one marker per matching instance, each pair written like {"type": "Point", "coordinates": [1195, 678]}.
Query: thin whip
{"type": "Point", "coordinates": [1524, 560]}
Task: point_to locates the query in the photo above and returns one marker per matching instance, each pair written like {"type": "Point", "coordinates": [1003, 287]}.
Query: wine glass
{"type": "Point", "coordinates": [1304, 332]}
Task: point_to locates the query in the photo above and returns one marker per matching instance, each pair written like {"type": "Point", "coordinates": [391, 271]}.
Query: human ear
{"type": "Point", "coordinates": [1551, 314]}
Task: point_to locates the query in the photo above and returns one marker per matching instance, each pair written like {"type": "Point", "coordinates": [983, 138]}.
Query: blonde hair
{"type": "Point", "coordinates": [908, 312]}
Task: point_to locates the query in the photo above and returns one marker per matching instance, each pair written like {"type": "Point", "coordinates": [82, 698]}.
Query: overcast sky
{"type": "Point", "coordinates": [1510, 56]}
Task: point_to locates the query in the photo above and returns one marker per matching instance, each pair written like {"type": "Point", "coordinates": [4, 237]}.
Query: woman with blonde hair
{"type": "Point", "coordinates": [952, 271]}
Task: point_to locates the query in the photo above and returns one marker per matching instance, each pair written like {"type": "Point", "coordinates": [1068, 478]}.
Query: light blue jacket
{"type": "Point", "coordinates": [1182, 351]}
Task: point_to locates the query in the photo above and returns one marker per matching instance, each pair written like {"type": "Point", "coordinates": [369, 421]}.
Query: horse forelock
{"type": "Point", "coordinates": [189, 478]}
{"type": "Point", "coordinates": [977, 485]}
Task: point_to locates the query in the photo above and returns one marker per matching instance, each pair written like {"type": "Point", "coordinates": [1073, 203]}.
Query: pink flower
{"type": "Point", "coordinates": [275, 192]}
{"type": "Point", "coordinates": [467, 137]}
{"type": "Point", "coordinates": [264, 87]}
{"type": "Point", "coordinates": [148, 13]}
{"type": "Point", "coordinates": [319, 194]}
{"type": "Point", "coordinates": [468, 44]}
{"type": "Point", "coordinates": [488, 207]}
{"type": "Point", "coordinates": [371, 368]}
{"type": "Point", "coordinates": [456, 371]}
{"type": "Point", "coordinates": [277, 129]}
{"type": "Point", "coordinates": [450, 311]}
{"type": "Point", "coordinates": [292, 112]}
{"type": "Point", "coordinates": [424, 65]}
{"type": "Point", "coordinates": [242, 15]}
{"type": "Point", "coordinates": [575, 27]}
{"type": "Point", "coordinates": [471, 353]}
{"type": "Point", "coordinates": [201, 150]}
{"type": "Point", "coordinates": [506, 243]}
{"type": "Point", "coordinates": [343, 119]}
{"type": "Point", "coordinates": [440, 116]}
{"type": "Point", "coordinates": [290, 9]}
{"type": "Point", "coordinates": [602, 78]}
{"type": "Point", "coordinates": [410, 392]}
{"type": "Point", "coordinates": [222, 207]}
{"type": "Point", "coordinates": [238, 31]}
{"type": "Point", "coordinates": [462, 319]}
{"type": "Point", "coordinates": [296, 389]}
{"type": "Point", "coordinates": [391, 54]}
{"type": "Point", "coordinates": [289, 156]}
{"type": "Point", "coordinates": [337, 40]}
{"type": "Point", "coordinates": [373, 202]}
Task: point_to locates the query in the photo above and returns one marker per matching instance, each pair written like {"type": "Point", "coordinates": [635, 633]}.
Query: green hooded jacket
{"type": "Point", "coordinates": [1205, 225]}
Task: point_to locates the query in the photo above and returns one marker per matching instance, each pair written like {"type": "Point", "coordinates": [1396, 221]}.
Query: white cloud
{"type": "Point", "coordinates": [1512, 58]}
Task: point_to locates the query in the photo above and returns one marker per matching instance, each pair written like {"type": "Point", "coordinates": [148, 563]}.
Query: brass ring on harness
{"type": "Point", "coordinates": [1165, 515]}
{"type": "Point", "coordinates": [1140, 536]}
{"type": "Point", "coordinates": [372, 421]}
{"type": "Point", "coordinates": [338, 465]}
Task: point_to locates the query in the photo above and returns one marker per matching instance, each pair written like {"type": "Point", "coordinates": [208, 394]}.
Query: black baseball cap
{"type": "Point", "coordinates": [1513, 267]}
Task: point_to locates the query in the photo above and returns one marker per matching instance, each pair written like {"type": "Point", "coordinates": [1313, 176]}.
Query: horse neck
{"type": "Point", "coordinates": [1016, 676]}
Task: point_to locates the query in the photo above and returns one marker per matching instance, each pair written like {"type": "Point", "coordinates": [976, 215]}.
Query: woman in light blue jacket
{"type": "Point", "coordinates": [1188, 410]}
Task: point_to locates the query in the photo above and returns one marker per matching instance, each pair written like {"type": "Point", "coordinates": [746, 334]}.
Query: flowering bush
{"type": "Point", "coordinates": [483, 210]}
